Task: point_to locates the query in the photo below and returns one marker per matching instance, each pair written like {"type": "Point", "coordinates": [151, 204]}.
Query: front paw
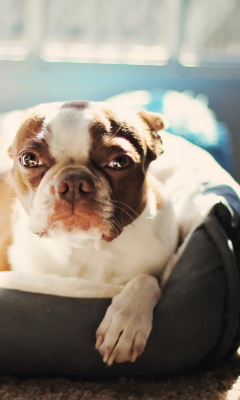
{"type": "Point", "coordinates": [123, 333]}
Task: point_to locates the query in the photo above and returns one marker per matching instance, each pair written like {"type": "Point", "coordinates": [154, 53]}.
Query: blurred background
{"type": "Point", "coordinates": [54, 50]}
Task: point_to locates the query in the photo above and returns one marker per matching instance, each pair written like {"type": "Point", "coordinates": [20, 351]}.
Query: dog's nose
{"type": "Point", "coordinates": [73, 185]}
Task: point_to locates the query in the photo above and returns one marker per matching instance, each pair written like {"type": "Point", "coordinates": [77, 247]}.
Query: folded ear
{"type": "Point", "coordinates": [155, 123]}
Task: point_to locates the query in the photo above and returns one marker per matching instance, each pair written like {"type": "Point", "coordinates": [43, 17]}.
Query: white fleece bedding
{"type": "Point", "coordinates": [56, 285]}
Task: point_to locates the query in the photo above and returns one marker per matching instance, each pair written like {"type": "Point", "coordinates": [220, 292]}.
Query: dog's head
{"type": "Point", "coordinates": [79, 167]}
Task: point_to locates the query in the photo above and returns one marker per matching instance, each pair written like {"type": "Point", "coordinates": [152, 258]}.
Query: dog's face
{"type": "Point", "coordinates": [79, 167]}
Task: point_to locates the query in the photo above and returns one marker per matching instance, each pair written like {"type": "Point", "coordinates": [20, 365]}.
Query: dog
{"type": "Point", "coordinates": [81, 204]}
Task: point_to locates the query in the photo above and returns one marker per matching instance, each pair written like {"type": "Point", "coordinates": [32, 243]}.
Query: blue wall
{"type": "Point", "coordinates": [25, 83]}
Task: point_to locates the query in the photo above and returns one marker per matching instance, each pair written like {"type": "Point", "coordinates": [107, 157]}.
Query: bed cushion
{"type": "Point", "coordinates": [196, 322]}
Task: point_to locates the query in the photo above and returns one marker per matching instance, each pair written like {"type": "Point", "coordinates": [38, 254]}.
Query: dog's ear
{"type": "Point", "coordinates": [155, 123]}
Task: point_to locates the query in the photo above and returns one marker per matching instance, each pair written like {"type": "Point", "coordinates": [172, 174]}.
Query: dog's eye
{"type": "Point", "coordinates": [119, 162]}
{"type": "Point", "coordinates": [30, 160]}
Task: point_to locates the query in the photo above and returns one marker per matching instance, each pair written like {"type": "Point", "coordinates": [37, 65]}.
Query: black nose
{"type": "Point", "coordinates": [73, 185]}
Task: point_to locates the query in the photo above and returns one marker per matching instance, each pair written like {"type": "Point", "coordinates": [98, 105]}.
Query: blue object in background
{"type": "Point", "coordinates": [188, 116]}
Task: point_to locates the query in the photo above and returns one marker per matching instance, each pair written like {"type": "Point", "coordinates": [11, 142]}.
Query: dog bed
{"type": "Point", "coordinates": [196, 322]}
{"type": "Point", "coordinates": [188, 116]}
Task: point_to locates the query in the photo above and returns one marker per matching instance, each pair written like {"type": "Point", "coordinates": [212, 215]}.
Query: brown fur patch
{"type": "Point", "coordinates": [29, 139]}
{"type": "Point", "coordinates": [76, 104]}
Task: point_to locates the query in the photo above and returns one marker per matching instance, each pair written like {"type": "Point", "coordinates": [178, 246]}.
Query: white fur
{"type": "Point", "coordinates": [98, 261]}
{"type": "Point", "coordinates": [56, 285]}
{"type": "Point", "coordinates": [69, 134]}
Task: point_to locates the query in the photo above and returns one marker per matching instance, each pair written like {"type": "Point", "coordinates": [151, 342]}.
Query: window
{"type": "Point", "coordinates": [211, 31]}
{"type": "Point", "coordinates": [105, 30]}
{"type": "Point", "coordinates": [121, 31]}
{"type": "Point", "coordinates": [12, 40]}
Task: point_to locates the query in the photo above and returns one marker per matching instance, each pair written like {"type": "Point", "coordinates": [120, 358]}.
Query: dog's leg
{"type": "Point", "coordinates": [123, 333]}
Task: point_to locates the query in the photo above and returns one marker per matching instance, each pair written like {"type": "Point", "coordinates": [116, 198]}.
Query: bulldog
{"type": "Point", "coordinates": [87, 209]}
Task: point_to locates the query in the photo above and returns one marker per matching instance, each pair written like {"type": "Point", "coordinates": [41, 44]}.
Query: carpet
{"type": "Point", "coordinates": [217, 384]}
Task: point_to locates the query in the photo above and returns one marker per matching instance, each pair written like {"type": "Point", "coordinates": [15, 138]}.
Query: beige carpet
{"type": "Point", "coordinates": [218, 384]}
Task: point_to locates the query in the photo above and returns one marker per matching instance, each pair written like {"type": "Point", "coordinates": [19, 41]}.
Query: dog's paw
{"type": "Point", "coordinates": [123, 333]}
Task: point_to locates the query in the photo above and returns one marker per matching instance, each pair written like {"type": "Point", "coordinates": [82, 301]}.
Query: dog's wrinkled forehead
{"type": "Point", "coordinates": [74, 129]}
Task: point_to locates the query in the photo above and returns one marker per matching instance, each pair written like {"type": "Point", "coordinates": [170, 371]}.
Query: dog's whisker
{"type": "Point", "coordinates": [116, 223]}
{"type": "Point", "coordinates": [131, 224]}
{"type": "Point", "coordinates": [114, 227]}
{"type": "Point", "coordinates": [120, 202]}
{"type": "Point", "coordinates": [133, 219]}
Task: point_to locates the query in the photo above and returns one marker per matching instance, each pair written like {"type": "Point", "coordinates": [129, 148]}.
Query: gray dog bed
{"type": "Point", "coordinates": [196, 322]}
